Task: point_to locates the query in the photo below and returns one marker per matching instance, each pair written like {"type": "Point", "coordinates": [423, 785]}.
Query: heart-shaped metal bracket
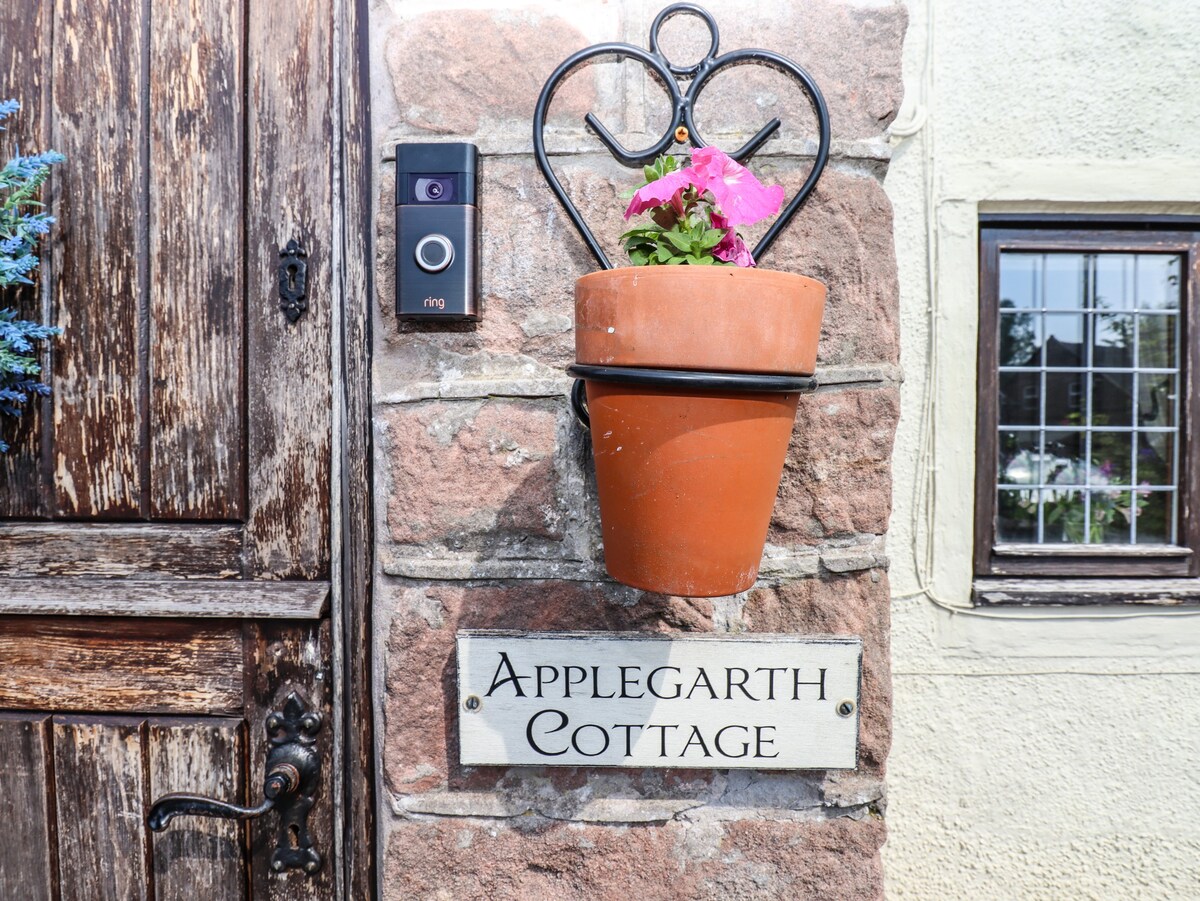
{"type": "Point", "coordinates": [682, 118]}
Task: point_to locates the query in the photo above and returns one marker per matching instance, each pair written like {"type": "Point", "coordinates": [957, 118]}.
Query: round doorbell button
{"type": "Point", "coordinates": [434, 253]}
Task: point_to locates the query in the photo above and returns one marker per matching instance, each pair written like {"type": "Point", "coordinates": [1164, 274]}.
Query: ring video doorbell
{"type": "Point", "coordinates": [437, 228]}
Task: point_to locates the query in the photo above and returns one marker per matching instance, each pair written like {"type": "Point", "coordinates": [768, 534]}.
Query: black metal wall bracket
{"type": "Point", "coordinates": [293, 778]}
{"type": "Point", "coordinates": [679, 380]}
{"type": "Point", "coordinates": [682, 127]}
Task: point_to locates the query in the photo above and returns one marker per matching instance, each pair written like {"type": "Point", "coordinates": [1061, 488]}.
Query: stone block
{"type": "Point", "coordinates": [837, 477]}
{"type": "Point", "coordinates": [474, 475]}
{"type": "Point", "coordinates": [859, 605]}
{"type": "Point", "coordinates": [843, 236]}
{"type": "Point", "coordinates": [544, 860]}
{"type": "Point", "coordinates": [421, 732]}
{"type": "Point", "coordinates": [853, 54]}
{"type": "Point", "coordinates": [470, 72]}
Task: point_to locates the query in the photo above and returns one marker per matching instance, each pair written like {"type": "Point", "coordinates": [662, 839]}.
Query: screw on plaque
{"type": "Point", "coordinates": [846, 708]}
{"type": "Point", "coordinates": [472, 703]}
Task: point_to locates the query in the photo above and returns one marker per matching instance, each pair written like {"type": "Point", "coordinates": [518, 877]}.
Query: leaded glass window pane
{"type": "Point", "coordinates": [1089, 398]}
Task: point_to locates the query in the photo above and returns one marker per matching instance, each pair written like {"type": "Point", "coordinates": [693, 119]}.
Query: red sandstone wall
{"type": "Point", "coordinates": [484, 484]}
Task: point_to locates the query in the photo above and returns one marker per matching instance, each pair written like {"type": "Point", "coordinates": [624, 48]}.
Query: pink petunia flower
{"type": "Point", "coordinates": [660, 191]}
{"type": "Point", "coordinates": [743, 199]}
{"type": "Point", "coordinates": [732, 248]}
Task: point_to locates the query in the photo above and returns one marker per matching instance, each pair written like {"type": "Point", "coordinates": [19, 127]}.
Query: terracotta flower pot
{"type": "Point", "coordinates": [687, 478]}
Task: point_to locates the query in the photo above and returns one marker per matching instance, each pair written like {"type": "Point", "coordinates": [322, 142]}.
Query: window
{"type": "Point", "coordinates": [1086, 370]}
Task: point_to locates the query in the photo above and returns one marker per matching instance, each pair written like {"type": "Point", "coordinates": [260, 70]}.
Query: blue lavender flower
{"type": "Point", "coordinates": [21, 226]}
{"type": "Point", "coordinates": [39, 224]}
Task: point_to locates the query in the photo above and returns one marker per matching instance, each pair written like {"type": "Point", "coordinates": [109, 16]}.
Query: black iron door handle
{"type": "Point", "coordinates": [281, 782]}
{"type": "Point", "coordinates": [290, 787]}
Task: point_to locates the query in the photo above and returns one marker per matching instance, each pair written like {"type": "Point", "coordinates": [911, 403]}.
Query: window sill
{"type": "Point", "coordinates": [1132, 551]}
{"type": "Point", "coordinates": [1084, 592]}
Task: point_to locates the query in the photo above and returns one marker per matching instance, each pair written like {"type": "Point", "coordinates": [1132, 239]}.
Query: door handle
{"type": "Point", "coordinates": [290, 787]}
{"type": "Point", "coordinates": [282, 782]}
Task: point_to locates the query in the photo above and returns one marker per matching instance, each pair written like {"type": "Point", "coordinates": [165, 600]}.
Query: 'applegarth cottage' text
{"type": "Point", "coordinates": [552, 732]}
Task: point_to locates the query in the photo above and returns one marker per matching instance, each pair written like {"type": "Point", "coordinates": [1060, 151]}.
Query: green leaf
{"type": "Point", "coordinates": [639, 257]}
{"type": "Point", "coordinates": [665, 255]}
{"type": "Point", "coordinates": [711, 237]}
{"type": "Point", "coordinates": [683, 242]}
{"type": "Point", "coordinates": [650, 233]}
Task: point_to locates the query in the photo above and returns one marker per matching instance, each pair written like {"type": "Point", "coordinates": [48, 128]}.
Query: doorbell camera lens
{"type": "Point", "coordinates": [433, 190]}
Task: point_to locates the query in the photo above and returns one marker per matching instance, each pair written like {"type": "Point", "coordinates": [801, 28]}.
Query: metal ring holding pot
{"type": "Point", "coordinates": [681, 380]}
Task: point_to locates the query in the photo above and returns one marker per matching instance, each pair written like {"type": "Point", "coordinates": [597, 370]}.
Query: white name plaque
{"type": "Point", "coordinates": [765, 702]}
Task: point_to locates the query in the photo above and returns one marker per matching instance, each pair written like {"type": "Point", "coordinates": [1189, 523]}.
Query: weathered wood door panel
{"type": "Point", "coordinates": [289, 390]}
{"type": "Point", "coordinates": [206, 757]}
{"type": "Point", "coordinates": [28, 862]}
{"type": "Point", "coordinates": [113, 664]}
{"type": "Point", "coordinates": [198, 137]}
{"type": "Point", "coordinates": [74, 799]}
{"type": "Point", "coordinates": [197, 247]}
{"type": "Point", "coordinates": [165, 519]}
{"type": "Point", "coordinates": [95, 114]}
{"type": "Point", "coordinates": [170, 706]}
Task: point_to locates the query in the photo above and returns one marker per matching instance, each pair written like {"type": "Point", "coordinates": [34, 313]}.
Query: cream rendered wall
{"type": "Point", "coordinates": [1038, 754]}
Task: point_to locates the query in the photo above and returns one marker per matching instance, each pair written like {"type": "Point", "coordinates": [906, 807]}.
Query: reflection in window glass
{"type": "Point", "coordinates": [1110, 461]}
{"type": "Point", "coordinates": [1157, 400]}
{"type": "Point", "coordinates": [1064, 454]}
{"type": "Point", "coordinates": [1112, 342]}
{"type": "Point", "coordinates": [1064, 515]}
{"type": "Point", "coordinates": [1111, 512]}
{"type": "Point", "coordinates": [1112, 399]}
{"type": "Point", "coordinates": [1020, 339]}
{"type": "Point", "coordinates": [1064, 278]}
{"type": "Point", "coordinates": [1020, 458]}
{"type": "Point", "coordinates": [1064, 340]}
{"type": "Point", "coordinates": [1021, 281]}
{"type": "Point", "coordinates": [1113, 287]}
{"type": "Point", "coordinates": [1155, 517]}
{"type": "Point", "coordinates": [1017, 516]}
{"type": "Point", "coordinates": [1065, 400]}
{"type": "Point", "coordinates": [1159, 281]}
{"type": "Point", "coordinates": [1088, 407]}
{"type": "Point", "coordinates": [1157, 337]}
{"type": "Point", "coordinates": [1155, 460]}
{"type": "Point", "coordinates": [1020, 398]}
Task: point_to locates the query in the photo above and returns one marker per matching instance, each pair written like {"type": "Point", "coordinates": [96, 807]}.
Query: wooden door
{"type": "Point", "coordinates": [165, 537]}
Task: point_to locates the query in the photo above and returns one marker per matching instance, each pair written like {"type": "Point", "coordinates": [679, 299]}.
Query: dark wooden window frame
{"type": "Point", "coordinates": [1025, 574]}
